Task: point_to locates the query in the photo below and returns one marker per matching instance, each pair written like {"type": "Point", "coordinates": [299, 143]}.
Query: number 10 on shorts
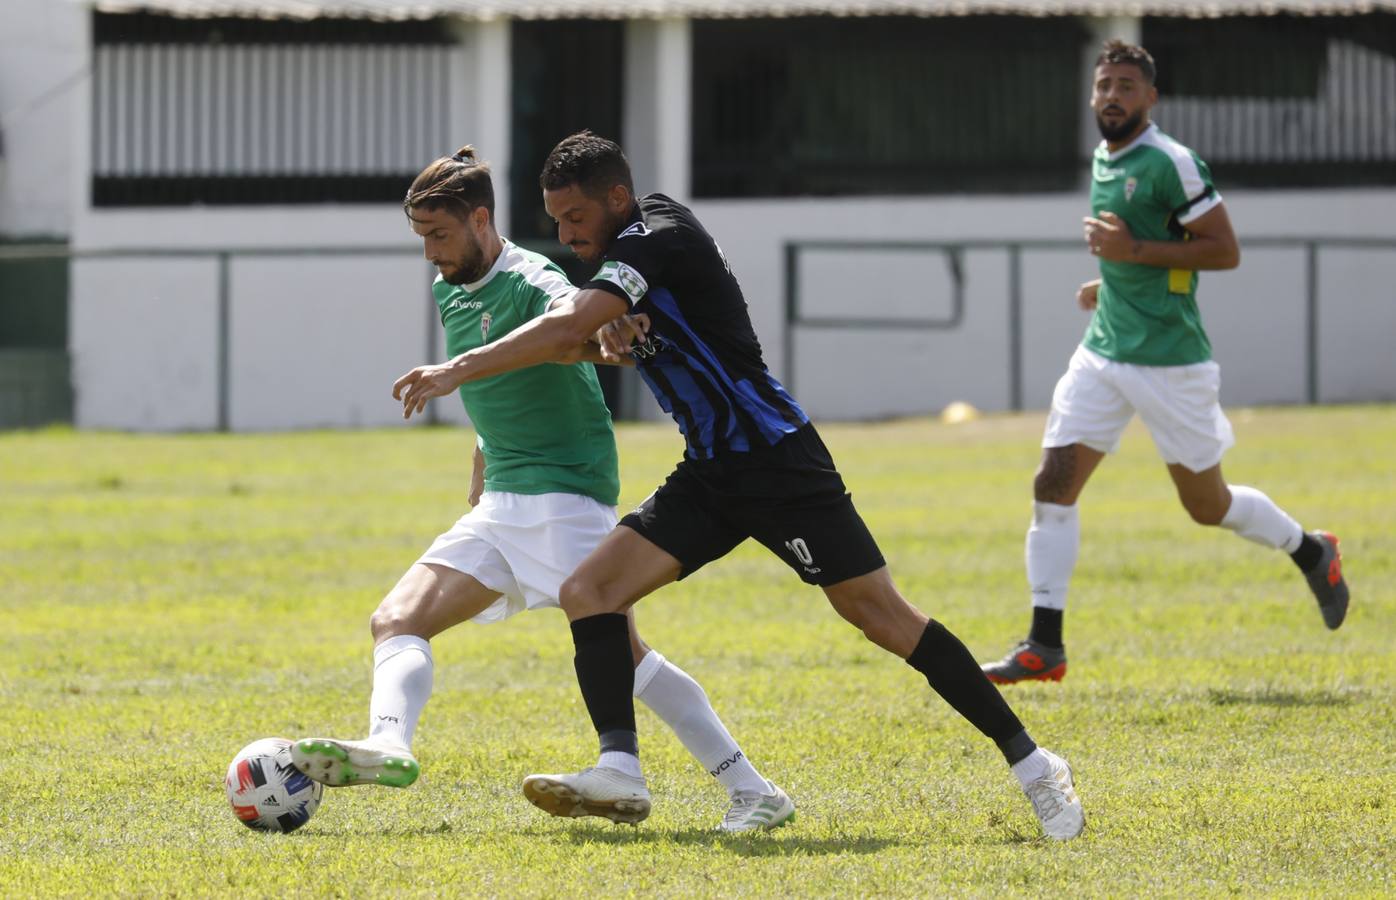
{"type": "Point", "coordinates": [798, 547]}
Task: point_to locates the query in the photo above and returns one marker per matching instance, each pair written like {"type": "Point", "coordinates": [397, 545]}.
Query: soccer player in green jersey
{"type": "Point", "coordinates": [543, 493]}
{"type": "Point", "coordinates": [1156, 222]}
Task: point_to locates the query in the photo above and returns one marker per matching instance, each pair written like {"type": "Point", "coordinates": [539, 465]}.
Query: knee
{"type": "Point", "coordinates": [879, 631]}
{"type": "Point", "coordinates": [580, 597]}
{"type": "Point", "coordinates": [877, 621]}
{"type": "Point", "coordinates": [390, 619]}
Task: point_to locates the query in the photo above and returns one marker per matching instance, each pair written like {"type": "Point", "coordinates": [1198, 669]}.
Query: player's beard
{"type": "Point", "coordinates": [615, 224]}
{"type": "Point", "coordinates": [1124, 129]}
{"type": "Point", "coordinates": [471, 267]}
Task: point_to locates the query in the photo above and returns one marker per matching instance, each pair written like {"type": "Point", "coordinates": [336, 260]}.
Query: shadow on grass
{"type": "Point", "coordinates": [1269, 696]}
{"type": "Point", "coordinates": [781, 842]}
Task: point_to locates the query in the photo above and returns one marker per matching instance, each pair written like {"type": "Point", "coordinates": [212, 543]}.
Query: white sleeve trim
{"type": "Point", "coordinates": [539, 276]}
{"type": "Point", "coordinates": [1188, 175]}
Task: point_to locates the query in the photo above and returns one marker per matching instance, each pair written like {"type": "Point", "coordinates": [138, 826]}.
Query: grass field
{"type": "Point", "coordinates": [167, 599]}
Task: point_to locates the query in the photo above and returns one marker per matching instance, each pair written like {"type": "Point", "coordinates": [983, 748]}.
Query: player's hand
{"type": "Point", "coordinates": [1108, 237]}
{"type": "Point", "coordinates": [424, 382]}
{"type": "Point", "coordinates": [1086, 294]}
{"type": "Point", "coordinates": [617, 336]}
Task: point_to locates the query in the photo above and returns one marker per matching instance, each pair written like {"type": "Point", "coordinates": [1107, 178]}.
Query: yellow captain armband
{"type": "Point", "coordinates": [1180, 280]}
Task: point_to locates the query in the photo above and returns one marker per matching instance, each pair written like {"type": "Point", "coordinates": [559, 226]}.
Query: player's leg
{"type": "Point", "coordinates": [1254, 516]}
{"type": "Point", "coordinates": [818, 533]}
{"type": "Point", "coordinates": [624, 568]}
{"type": "Point", "coordinates": [428, 599]}
{"type": "Point", "coordinates": [872, 603]}
{"type": "Point", "coordinates": [673, 533]}
{"type": "Point", "coordinates": [1182, 410]}
{"type": "Point", "coordinates": [1088, 415]}
{"type": "Point", "coordinates": [683, 705]}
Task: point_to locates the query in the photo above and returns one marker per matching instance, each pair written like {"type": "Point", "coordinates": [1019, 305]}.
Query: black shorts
{"type": "Point", "coordinates": [789, 497]}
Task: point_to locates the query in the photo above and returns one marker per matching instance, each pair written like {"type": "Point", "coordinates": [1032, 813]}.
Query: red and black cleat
{"type": "Point", "coordinates": [1029, 661]}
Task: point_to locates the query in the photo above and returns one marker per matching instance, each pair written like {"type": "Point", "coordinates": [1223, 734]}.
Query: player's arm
{"type": "Point", "coordinates": [592, 351]}
{"type": "Point", "coordinates": [1211, 244]}
{"type": "Point", "coordinates": [545, 339]}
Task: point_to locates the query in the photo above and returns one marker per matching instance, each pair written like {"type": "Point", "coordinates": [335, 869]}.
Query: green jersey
{"type": "Point", "coordinates": [542, 429]}
{"type": "Point", "coordinates": [1145, 314]}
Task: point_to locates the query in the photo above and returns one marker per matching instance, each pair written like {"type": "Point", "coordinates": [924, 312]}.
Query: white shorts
{"type": "Point", "coordinates": [1097, 397]}
{"type": "Point", "coordinates": [522, 545]}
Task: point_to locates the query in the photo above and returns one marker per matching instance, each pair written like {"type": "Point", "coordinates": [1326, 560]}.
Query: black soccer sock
{"type": "Point", "coordinates": [953, 673]}
{"type": "Point", "coordinates": [1309, 554]}
{"type": "Point", "coordinates": [606, 675]}
{"type": "Point", "coordinates": [1046, 627]}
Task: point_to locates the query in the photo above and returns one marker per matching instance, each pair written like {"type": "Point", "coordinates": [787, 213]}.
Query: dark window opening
{"type": "Point", "coordinates": [254, 111]}
{"type": "Point", "coordinates": [1281, 101]}
{"type": "Point", "coordinates": [886, 105]}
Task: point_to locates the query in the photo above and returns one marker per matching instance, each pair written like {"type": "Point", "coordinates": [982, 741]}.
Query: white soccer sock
{"type": "Point", "coordinates": [621, 761]}
{"type": "Point", "coordinates": [1255, 517]}
{"type": "Point", "coordinates": [1053, 541]}
{"type": "Point", "coordinates": [402, 671]}
{"type": "Point", "coordinates": [683, 705]}
{"type": "Point", "coordinates": [1031, 767]}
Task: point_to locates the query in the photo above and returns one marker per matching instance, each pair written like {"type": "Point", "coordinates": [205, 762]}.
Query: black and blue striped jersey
{"type": "Point", "coordinates": [702, 359]}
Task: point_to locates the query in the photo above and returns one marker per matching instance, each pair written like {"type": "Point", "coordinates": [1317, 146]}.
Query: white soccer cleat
{"type": "Point", "coordinates": [751, 811]}
{"type": "Point", "coordinates": [339, 763]}
{"type": "Point", "coordinates": [1054, 800]}
{"type": "Point", "coordinates": [608, 793]}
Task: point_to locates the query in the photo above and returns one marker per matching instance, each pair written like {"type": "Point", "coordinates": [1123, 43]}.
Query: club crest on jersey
{"type": "Point", "coordinates": [1130, 184]}
{"type": "Point", "coordinates": [624, 277]}
{"type": "Point", "coordinates": [639, 229]}
{"type": "Point", "coordinates": [485, 328]}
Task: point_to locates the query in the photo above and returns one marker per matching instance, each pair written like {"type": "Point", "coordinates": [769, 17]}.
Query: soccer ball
{"type": "Point", "coordinates": [266, 790]}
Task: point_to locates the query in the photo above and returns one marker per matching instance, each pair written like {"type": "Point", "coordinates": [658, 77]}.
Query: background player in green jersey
{"type": "Point", "coordinates": [543, 493]}
{"type": "Point", "coordinates": [1156, 221]}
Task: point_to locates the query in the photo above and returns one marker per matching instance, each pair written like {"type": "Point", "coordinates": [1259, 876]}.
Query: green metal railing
{"type": "Point", "coordinates": [954, 251]}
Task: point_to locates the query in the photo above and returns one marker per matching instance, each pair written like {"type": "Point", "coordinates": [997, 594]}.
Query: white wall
{"type": "Point", "coordinates": [317, 342]}
{"type": "Point", "coordinates": [313, 340]}
{"type": "Point", "coordinates": [43, 57]}
{"type": "Point", "coordinates": [1255, 315]}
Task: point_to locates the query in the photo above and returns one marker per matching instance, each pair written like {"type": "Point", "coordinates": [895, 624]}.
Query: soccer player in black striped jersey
{"type": "Point", "coordinates": [754, 467]}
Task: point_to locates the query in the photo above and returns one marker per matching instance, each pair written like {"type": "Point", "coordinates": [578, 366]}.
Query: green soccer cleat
{"type": "Point", "coordinates": [1029, 661]}
{"type": "Point", "coordinates": [1326, 581]}
{"type": "Point", "coordinates": [340, 763]}
{"type": "Point", "coordinates": [751, 811]}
